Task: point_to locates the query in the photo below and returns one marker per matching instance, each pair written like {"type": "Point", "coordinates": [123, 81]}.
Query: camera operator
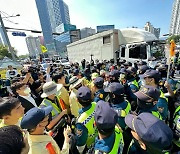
{"type": "Point", "coordinates": [10, 74]}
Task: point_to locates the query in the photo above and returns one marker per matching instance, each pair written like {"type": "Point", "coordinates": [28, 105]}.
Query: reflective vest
{"type": "Point", "coordinates": [156, 114]}
{"type": "Point", "coordinates": [162, 96]}
{"type": "Point", "coordinates": [177, 124]}
{"type": "Point", "coordinates": [56, 110]}
{"type": "Point", "coordinates": [87, 119]}
{"type": "Point", "coordinates": [124, 112]}
{"type": "Point", "coordinates": [134, 82]}
{"type": "Point", "coordinates": [118, 144]}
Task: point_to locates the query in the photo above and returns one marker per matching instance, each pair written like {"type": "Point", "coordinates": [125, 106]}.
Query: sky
{"type": "Point", "coordinates": [90, 13]}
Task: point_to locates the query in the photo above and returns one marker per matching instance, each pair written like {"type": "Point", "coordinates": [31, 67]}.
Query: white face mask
{"type": "Point", "coordinates": [27, 91]}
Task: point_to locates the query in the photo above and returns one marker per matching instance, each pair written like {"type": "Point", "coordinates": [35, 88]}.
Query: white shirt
{"type": "Point", "coordinates": [30, 99]}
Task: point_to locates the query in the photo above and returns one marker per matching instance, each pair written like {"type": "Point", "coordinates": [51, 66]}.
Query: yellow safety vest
{"type": "Point", "coordinates": [156, 114]}
{"type": "Point", "coordinates": [163, 96]}
{"type": "Point", "coordinates": [118, 144]}
{"type": "Point", "coordinates": [125, 111]}
{"type": "Point", "coordinates": [177, 124]}
{"type": "Point", "coordinates": [56, 110]}
{"type": "Point", "coordinates": [87, 119]}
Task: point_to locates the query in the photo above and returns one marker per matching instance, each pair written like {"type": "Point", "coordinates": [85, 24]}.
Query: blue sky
{"type": "Point", "coordinates": [122, 13]}
{"type": "Point", "coordinates": [90, 13]}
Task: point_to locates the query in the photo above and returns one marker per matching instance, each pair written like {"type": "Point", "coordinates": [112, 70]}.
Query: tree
{"type": "Point", "coordinates": [4, 52]}
{"type": "Point", "coordinates": [176, 38]}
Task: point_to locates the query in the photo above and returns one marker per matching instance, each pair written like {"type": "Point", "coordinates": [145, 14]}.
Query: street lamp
{"type": "Point", "coordinates": [6, 36]}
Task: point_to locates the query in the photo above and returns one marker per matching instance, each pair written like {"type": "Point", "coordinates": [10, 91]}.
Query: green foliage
{"type": "Point", "coordinates": [4, 52]}
{"type": "Point", "coordinates": [176, 38]}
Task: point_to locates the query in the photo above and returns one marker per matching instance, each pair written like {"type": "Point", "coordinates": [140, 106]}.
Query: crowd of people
{"type": "Point", "coordinates": [99, 107]}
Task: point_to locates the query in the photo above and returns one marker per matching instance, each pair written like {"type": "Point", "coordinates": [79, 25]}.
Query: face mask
{"type": "Point", "coordinates": [27, 91]}
{"type": "Point", "coordinates": [144, 105]}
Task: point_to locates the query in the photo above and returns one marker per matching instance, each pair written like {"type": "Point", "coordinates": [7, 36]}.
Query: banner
{"type": "Point", "coordinates": [43, 49]}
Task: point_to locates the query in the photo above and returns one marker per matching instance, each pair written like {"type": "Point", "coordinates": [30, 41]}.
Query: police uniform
{"type": "Point", "coordinates": [100, 93]}
{"type": "Point", "coordinates": [106, 119]}
{"type": "Point", "coordinates": [85, 128]}
{"type": "Point", "coordinates": [145, 96]}
{"type": "Point", "coordinates": [154, 133]}
{"type": "Point", "coordinates": [176, 127]}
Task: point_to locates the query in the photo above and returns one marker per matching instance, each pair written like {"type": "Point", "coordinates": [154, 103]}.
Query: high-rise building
{"type": "Point", "coordinates": [52, 13]}
{"type": "Point", "coordinates": [149, 27]}
{"type": "Point", "coordinates": [175, 19]}
{"type": "Point", "coordinates": [33, 45]}
{"type": "Point", "coordinates": [85, 32]}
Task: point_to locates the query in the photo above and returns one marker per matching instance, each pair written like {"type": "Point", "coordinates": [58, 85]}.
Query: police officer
{"type": "Point", "coordinates": [150, 135]}
{"type": "Point", "coordinates": [85, 129]}
{"type": "Point", "coordinates": [132, 79]}
{"type": "Point", "coordinates": [147, 98]}
{"type": "Point", "coordinates": [110, 138]}
{"type": "Point", "coordinates": [97, 89]}
{"type": "Point", "coordinates": [117, 102]}
{"type": "Point", "coordinates": [152, 78]}
{"type": "Point", "coordinates": [121, 106]}
{"type": "Point", "coordinates": [114, 76]}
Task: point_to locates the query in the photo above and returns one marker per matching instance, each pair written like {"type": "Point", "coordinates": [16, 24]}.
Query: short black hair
{"type": "Point", "coordinates": [57, 76]}
{"type": "Point", "coordinates": [11, 140]}
{"type": "Point", "coordinates": [15, 86]}
{"type": "Point", "coordinates": [84, 103]}
{"type": "Point", "coordinates": [7, 105]}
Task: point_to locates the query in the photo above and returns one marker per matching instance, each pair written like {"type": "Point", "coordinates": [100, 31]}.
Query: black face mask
{"type": "Point", "coordinates": [115, 100]}
{"type": "Point", "coordinates": [144, 105]}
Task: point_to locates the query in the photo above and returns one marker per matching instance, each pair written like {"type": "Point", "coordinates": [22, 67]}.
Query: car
{"type": "Point", "coordinates": [65, 63]}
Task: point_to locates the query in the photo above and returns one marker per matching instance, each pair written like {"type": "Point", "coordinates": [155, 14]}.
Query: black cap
{"type": "Point", "coordinates": [114, 73]}
{"type": "Point", "coordinates": [105, 117]}
{"type": "Point", "coordinates": [84, 94]}
{"type": "Point", "coordinates": [152, 74]}
{"type": "Point", "coordinates": [99, 81]}
{"type": "Point", "coordinates": [147, 93]}
{"type": "Point", "coordinates": [153, 131]}
{"type": "Point", "coordinates": [115, 88]}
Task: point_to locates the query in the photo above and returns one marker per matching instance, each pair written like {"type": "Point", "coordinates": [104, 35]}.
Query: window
{"type": "Point", "coordinates": [106, 39]}
{"type": "Point", "coordinates": [138, 52]}
{"type": "Point", "coordinates": [123, 52]}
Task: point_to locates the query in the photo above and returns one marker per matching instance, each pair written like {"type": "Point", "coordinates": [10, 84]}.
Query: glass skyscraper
{"type": "Point", "coordinates": [52, 13]}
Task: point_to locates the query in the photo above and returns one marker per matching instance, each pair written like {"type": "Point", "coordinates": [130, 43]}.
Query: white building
{"type": "Point", "coordinates": [33, 45]}
{"type": "Point", "coordinates": [175, 19]}
{"type": "Point", "coordinates": [85, 32]}
{"type": "Point", "coordinates": [150, 28]}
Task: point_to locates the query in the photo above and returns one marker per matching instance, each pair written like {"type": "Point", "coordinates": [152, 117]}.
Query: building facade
{"type": "Point", "coordinates": [175, 19]}
{"type": "Point", "coordinates": [150, 28]}
{"type": "Point", "coordinates": [86, 32]}
{"type": "Point", "coordinates": [52, 13]}
{"type": "Point", "coordinates": [33, 45]}
{"type": "Point", "coordinates": [103, 28]}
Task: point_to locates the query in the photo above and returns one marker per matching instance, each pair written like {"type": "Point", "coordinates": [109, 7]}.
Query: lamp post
{"type": "Point", "coordinates": [6, 36]}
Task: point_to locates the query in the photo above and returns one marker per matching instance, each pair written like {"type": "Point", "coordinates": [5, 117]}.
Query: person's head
{"type": "Point", "coordinates": [131, 73]}
{"type": "Point", "coordinates": [116, 92]}
{"type": "Point", "coordinates": [151, 133]}
{"type": "Point", "coordinates": [20, 88]}
{"type": "Point", "coordinates": [10, 67]}
{"type": "Point", "coordinates": [50, 90]}
{"type": "Point", "coordinates": [59, 78]}
{"type": "Point", "coordinates": [11, 140]}
{"type": "Point", "coordinates": [142, 69]}
{"type": "Point", "coordinates": [151, 77]}
{"type": "Point", "coordinates": [41, 75]}
{"type": "Point", "coordinates": [36, 119]}
{"type": "Point", "coordinates": [147, 97]}
{"type": "Point", "coordinates": [94, 76]}
{"type": "Point", "coordinates": [75, 83]}
{"type": "Point", "coordinates": [11, 109]}
{"type": "Point", "coordinates": [114, 76]}
{"type": "Point", "coordinates": [105, 118]}
{"type": "Point", "coordinates": [84, 96]}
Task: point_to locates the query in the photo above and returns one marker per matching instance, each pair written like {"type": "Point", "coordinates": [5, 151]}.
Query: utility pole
{"type": "Point", "coordinates": [7, 39]}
